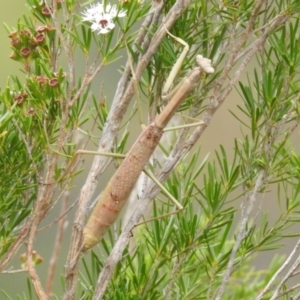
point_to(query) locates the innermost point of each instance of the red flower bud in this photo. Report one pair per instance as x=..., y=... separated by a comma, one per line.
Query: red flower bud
x=15, y=42
x=25, y=51
x=40, y=38
x=42, y=79
x=43, y=28
x=53, y=82
x=13, y=34
x=31, y=112
x=47, y=11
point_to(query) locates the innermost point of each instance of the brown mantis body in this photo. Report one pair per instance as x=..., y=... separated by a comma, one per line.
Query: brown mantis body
x=115, y=195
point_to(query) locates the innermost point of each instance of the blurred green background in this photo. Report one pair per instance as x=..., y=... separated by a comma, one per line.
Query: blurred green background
x=10, y=12
x=217, y=133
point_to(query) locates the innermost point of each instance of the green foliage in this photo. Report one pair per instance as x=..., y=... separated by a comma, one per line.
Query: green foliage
x=18, y=186
x=215, y=241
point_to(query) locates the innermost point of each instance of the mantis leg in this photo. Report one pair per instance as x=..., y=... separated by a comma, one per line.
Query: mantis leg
x=167, y=193
x=150, y=175
x=175, y=68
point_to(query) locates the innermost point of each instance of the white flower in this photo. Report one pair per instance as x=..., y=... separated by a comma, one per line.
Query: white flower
x=102, y=17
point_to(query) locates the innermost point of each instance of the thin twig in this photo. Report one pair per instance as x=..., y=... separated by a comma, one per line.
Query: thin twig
x=236, y=49
x=287, y=275
x=34, y=276
x=13, y=271
x=176, y=268
x=288, y=291
x=249, y=202
x=57, y=244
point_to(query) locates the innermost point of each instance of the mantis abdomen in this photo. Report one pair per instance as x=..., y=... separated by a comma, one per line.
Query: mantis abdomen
x=115, y=195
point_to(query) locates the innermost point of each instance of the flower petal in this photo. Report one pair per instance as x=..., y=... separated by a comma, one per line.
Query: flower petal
x=102, y=17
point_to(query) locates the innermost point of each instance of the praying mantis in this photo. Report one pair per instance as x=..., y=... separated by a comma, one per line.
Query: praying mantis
x=117, y=191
